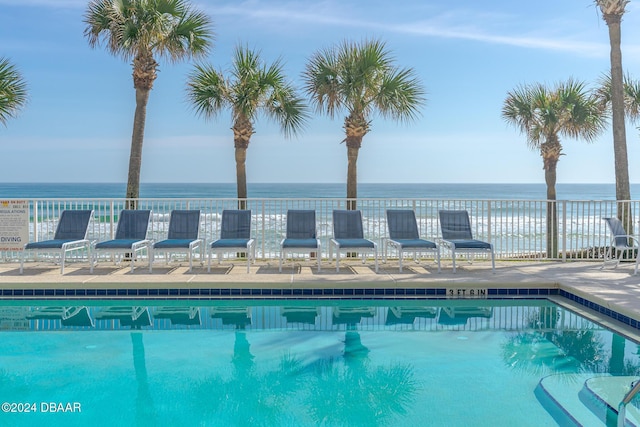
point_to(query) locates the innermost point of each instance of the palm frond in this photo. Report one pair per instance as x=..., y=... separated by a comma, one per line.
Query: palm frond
x=361, y=79
x=253, y=88
x=13, y=91
x=167, y=28
x=400, y=96
x=322, y=81
x=542, y=114
x=207, y=91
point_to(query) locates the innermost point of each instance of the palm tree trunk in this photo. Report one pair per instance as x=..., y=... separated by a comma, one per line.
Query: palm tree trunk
x=551, y=151
x=352, y=175
x=623, y=192
x=137, y=138
x=241, y=176
x=552, y=216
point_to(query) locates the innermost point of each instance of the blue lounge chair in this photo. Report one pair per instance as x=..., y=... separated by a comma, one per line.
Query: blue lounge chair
x=457, y=236
x=131, y=237
x=235, y=236
x=187, y=316
x=301, y=235
x=134, y=317
x=452, y=316
x=348, y=236
x=240, y=317
x=300, y=314
x=620, y=242
x=70, y=235
x=407, y=315
x=404, y=236
x=182, y=236
x=68, y=316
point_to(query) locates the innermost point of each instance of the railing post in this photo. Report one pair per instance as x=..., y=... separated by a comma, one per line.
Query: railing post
x=111, y=215
x=489, y=220
x=263, y=231
x=35, y=220
x=564, y=231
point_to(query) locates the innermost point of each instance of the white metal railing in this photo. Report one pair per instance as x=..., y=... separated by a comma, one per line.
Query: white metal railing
x=517, y=228
x=531, y=318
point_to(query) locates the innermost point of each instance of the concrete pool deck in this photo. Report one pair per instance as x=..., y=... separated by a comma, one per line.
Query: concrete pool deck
x=616, y=289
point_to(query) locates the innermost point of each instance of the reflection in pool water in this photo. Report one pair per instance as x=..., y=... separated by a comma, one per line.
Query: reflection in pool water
x=302, y=363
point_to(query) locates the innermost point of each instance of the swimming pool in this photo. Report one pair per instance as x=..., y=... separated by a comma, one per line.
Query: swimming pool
x=307, y=363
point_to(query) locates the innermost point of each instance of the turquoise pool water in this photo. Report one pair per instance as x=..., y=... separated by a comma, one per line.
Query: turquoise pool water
x=299, y=363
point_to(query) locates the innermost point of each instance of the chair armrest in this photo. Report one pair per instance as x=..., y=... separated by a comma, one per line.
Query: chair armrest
x=196, y=243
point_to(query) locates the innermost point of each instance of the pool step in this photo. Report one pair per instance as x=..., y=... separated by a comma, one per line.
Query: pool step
x=603, y=395
x=585, y=399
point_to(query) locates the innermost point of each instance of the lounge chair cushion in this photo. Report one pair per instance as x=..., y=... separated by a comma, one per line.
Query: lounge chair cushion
x=300, y=243
x=49, y=244
x=117, y=244
x=347, y=225
x=173, y=243
x=133, y=224
x=230, y=243
x=469, y=244
x=73, y=225
x=415, y=243
x=354, y=243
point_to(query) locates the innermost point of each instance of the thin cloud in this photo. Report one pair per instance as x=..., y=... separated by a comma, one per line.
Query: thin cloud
x=442, y=26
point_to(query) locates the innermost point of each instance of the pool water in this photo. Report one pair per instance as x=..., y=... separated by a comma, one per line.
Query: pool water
x=331, y=363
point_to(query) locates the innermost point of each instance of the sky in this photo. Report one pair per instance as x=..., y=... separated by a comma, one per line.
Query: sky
x=467, y=54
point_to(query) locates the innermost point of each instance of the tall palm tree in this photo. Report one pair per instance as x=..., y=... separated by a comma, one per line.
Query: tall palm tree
x=13, y=91
x=612, y=11
x=361, y=79
x=252, y=88
x=544, y=114
x=631, y=104
x=141, y=31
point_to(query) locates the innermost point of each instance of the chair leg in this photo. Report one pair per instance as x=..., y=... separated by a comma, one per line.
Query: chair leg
x=453, y=259
x=62, y=258
x=493, y=261
x=400, y=259
x=248, y=260
x=385, y=253
x=375, y=254
x=280, y=262
x=438, y=258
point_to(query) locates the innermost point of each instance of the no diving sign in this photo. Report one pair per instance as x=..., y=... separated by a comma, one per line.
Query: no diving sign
x=14, y=224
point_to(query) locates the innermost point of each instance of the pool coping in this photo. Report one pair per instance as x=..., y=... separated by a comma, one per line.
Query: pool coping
x=612, y=294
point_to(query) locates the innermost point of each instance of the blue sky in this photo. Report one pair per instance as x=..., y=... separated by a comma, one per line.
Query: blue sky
x=468, y=54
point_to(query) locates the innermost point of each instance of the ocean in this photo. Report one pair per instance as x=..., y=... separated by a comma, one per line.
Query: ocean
x=303, y=191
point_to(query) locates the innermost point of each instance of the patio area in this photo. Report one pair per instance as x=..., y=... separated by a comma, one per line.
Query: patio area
x=610, y=289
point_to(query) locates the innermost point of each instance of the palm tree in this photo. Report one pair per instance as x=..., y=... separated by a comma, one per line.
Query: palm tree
x=631, y=103
x=141, y=31
x=612, y=11
x=252, y=88
x=631, y=91
x=13, y=91
x=544, y=114
x=361, y=79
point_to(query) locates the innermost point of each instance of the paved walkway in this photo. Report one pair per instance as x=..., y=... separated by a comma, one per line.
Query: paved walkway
x=617, y=289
